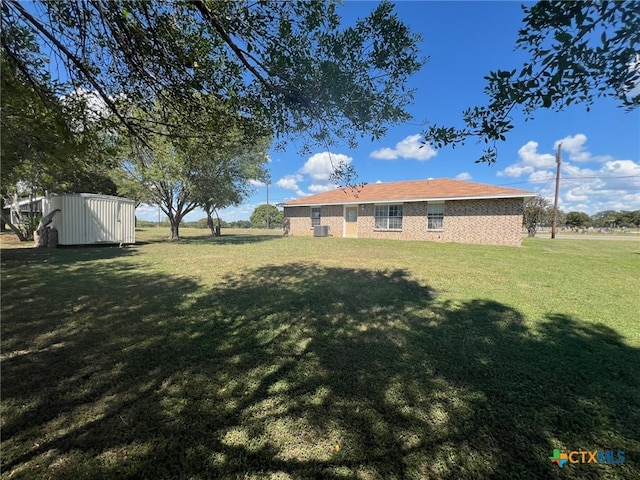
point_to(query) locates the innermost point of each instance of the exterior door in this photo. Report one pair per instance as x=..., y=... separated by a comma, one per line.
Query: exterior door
x=351, y=222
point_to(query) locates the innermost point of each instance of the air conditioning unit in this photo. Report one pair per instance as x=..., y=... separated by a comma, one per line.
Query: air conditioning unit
x=321, y=230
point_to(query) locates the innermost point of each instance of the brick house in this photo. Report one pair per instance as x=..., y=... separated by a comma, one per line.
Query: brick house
x=439, y=210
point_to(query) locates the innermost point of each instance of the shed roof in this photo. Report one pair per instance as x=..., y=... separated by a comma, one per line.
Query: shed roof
x=410, y=191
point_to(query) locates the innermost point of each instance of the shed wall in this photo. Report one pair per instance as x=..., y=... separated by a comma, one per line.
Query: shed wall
x=86, y=219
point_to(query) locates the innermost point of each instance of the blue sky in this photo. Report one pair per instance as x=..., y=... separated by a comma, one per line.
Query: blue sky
x=463, y=42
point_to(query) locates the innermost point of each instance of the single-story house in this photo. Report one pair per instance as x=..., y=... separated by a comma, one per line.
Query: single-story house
x=440, y=210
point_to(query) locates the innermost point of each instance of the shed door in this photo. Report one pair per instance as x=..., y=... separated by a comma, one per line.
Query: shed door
x=351, y=222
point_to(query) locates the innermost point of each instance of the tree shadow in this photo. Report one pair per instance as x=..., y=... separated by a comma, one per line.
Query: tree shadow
x=304, y=371
x=65, y=255
x=224, y=239
x=232, y=239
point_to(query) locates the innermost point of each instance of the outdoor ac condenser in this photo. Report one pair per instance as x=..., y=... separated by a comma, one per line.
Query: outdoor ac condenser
x=321, y=230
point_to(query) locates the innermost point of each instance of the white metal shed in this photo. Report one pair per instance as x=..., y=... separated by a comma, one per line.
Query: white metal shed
x=87, y=218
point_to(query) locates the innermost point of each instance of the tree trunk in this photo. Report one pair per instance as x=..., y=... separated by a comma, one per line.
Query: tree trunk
x=175, y=228
x=218, y=228
x=13, y=228
x=210, y=224
x=30, y=225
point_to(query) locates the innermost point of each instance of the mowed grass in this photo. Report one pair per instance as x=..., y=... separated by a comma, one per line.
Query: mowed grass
x=256, y=356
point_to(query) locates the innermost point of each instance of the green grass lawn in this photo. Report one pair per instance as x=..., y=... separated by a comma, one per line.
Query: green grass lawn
x=256, y=356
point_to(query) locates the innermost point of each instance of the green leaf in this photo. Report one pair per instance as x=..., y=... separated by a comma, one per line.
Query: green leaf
x=563, y=37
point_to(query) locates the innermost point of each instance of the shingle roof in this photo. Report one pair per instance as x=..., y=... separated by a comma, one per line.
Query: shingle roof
x=414, y=190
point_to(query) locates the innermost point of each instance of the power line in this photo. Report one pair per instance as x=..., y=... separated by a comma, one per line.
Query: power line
x=590, y=177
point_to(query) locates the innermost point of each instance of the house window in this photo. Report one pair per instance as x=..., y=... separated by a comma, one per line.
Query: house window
x=315, y=216
x=388, y=217
x=435, y=216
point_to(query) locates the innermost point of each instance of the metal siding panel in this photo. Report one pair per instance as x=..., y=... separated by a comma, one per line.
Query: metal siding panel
x=128, y=222
x=92, y=230
x=65, y=234
x=95, y=212
x=88, y=219
x=74, y=220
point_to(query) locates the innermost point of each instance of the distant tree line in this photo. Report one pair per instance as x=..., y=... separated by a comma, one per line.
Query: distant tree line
x=264, y=216
x=605, y=219
x=202, y=223
x=538, y=213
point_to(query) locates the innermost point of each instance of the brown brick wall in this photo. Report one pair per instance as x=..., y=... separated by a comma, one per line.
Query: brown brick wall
x=491, y=222
x=298, y=220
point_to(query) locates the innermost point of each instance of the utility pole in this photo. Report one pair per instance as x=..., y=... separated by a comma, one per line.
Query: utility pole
x=555, y=201
x=268, y=222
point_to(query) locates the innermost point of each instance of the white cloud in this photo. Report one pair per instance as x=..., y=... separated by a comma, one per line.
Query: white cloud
x=516, y=171
x=257, y=183
x=530, y=160
x=529, y=155
x=575, y=196
x=195, y=215
x=95, y=105
x=409, y=148
x=574, y=146
x=321, y=188
x=623, y=168
x=541, y=176
x=318, y=169
x=464, y=176
x=241, y=212
x=321, y=165
x=148, y=212
x=588, y=183
x=593, y=195
x=574, y=170
x=290, y=182
x=384, y=154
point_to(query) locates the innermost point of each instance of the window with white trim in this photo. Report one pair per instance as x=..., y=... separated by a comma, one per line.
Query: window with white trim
x=435, y=216
x=315, y=216
x=388, y=217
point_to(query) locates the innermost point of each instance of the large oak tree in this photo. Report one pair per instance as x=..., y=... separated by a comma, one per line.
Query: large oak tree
x=286, y=69
x=181, y=169
x=288, y=65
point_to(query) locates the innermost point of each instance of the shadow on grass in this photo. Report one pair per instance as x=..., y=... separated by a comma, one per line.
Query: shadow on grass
x=11, y=257
x=302, y=371
x=232, y=239
x=225, y=239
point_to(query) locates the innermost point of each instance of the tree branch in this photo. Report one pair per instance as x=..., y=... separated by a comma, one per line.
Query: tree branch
x=240, y=53
x=78, y=64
